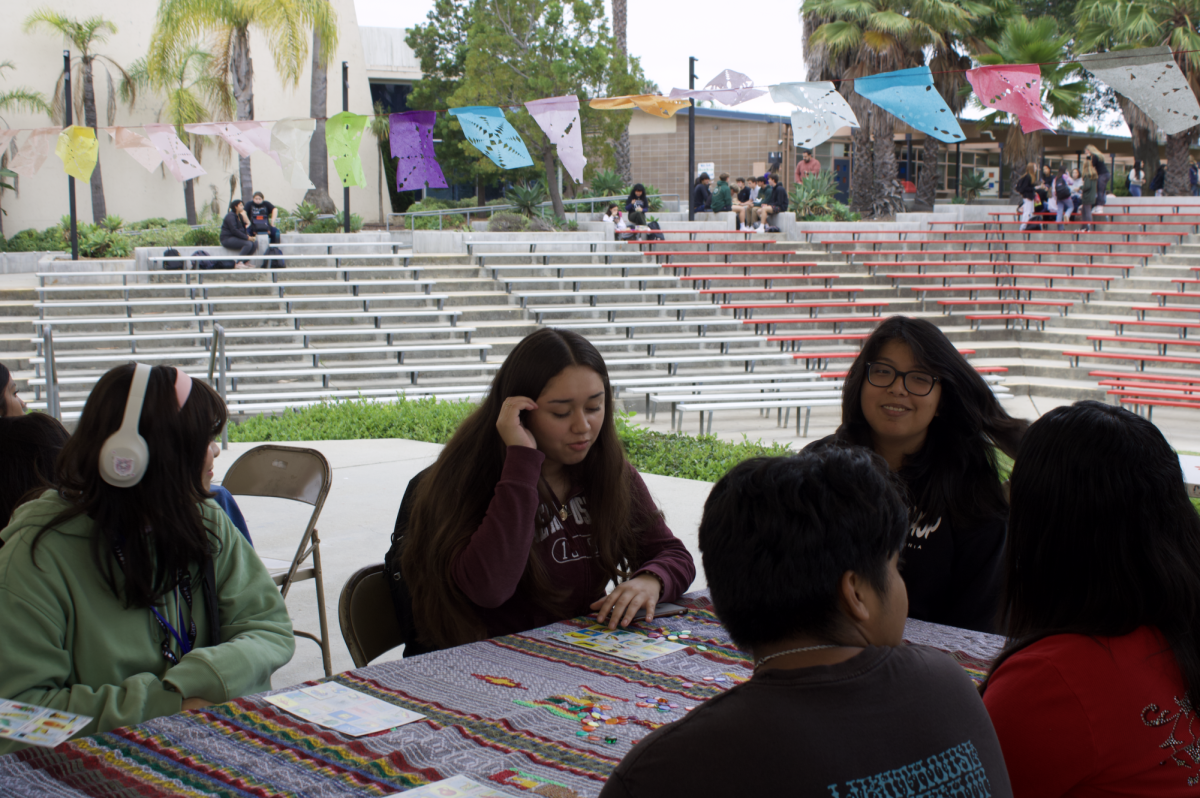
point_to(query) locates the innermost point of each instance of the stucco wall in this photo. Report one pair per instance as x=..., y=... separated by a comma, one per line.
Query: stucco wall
x=130, y=191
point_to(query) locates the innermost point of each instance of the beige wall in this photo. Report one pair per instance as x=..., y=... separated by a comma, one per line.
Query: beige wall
x=130, y=191
x=659, y=148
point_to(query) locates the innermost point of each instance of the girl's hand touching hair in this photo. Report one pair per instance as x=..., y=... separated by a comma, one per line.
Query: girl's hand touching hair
x=623, y=603
x=509, y=425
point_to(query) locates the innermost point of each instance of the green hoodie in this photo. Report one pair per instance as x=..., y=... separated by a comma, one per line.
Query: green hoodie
x=722, y=198
x=70, y=644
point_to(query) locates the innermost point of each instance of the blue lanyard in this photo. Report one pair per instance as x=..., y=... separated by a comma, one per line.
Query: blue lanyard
x=185, y=643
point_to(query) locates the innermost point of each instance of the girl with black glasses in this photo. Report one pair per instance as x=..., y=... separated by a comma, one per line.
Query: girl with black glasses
x=912, y=398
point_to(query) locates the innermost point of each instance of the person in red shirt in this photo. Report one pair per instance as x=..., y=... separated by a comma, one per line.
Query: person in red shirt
x=1095, y=693
x=531, y=510
x=807, y=165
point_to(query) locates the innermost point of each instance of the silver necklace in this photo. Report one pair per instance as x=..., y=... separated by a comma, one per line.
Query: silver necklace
x=758, y=662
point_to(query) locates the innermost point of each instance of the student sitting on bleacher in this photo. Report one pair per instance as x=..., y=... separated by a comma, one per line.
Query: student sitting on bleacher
x=110, y=587
x=801, y=557
x=775, y=201
x=1096, y=692
x=10, y=403
x=234, y=235
x=30, y=444
x=531, y=510
x=916, y=401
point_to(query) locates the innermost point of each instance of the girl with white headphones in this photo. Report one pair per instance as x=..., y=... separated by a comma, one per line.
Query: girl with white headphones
x=125, y=595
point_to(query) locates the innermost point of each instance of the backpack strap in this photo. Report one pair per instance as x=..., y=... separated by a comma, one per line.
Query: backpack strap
x=210, y=603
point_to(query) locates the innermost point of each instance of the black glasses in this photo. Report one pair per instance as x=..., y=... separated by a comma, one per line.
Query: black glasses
x=918, y=383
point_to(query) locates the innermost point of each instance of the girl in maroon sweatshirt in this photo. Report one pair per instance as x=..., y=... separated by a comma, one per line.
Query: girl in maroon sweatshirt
x=531, y=511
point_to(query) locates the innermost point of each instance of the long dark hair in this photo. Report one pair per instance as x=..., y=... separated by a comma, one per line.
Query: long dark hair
x=157, y=522
x=1102, y=538
x=29, y=445
x=453, y=497
x=633, y=194
x=955, y=473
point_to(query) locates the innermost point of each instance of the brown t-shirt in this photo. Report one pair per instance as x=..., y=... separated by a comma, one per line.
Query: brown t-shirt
x=900, y=721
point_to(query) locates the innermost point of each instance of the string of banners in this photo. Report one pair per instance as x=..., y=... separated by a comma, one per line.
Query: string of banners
x=1148, y=77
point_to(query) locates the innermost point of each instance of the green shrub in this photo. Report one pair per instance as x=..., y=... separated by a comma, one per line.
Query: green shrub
x=112, y=223
x=507, y=223
x=153, y=223
x=202, y=237
x=334, y=225
x=51, y=239
x=540, y=224
x=607, y=183
x=98, y=242
x=528, y=197
x=675, y=455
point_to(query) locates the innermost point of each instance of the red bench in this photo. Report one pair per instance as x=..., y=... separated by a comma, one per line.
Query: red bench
x=787, y=292
x=1063, y=306
x=746, y=267
x=1108, y=225
x=1162, y=296
x=972, y=290
x=1150, y=404
x=783, y=254
x=1182, y=281
x=841, y=375
x=997, y=276
x=707, y=242
x=1141, y=358
x=1164, y=378
x=823, y=357
x=768, y=280
x=1190, y=389
x=813, y=307
x=1182, y=326
x=978, y=319
x=770, y=324
x=872, y=266
x=1161, y=343
x=1142, y=310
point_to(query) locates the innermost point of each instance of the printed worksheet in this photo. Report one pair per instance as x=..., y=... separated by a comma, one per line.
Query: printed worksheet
x=457, y=787
x=34, y=725
x=342, y=709
x=620, y=643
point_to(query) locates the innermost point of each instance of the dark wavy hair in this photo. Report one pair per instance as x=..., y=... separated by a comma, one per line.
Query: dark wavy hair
x=633, y=194
x=29, y=446
x=955, y=473
x=157, y=522
x=5, y=379
x=452, y=498
x=1102, y=537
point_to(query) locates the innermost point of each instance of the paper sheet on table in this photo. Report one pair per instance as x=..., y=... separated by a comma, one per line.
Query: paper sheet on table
x=34, y=725
x=339, y=708
x=493, y=135
x=78, y=149
x=456, y=787
x=411, y=137
x=820, y=111
x=34, y=151
x=1014, y=89
x=1150, y=78
x=177, y=158
x=136, y=147
x=655, y=104
x=558, y=117
x=909, y=95
x=620, y=643
x=343, y=135
x=727, y=88
x=289, y=140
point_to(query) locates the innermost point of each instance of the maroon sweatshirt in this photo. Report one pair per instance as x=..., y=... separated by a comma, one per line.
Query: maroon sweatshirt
x=490, y=567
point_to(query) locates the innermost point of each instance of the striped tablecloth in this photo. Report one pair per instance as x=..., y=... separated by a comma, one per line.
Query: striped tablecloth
x=503, y=711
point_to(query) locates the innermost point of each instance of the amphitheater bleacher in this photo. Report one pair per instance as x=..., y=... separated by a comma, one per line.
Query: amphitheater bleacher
x=375, y=320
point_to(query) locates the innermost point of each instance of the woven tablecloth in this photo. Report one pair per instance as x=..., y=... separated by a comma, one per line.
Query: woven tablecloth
x=503, y=711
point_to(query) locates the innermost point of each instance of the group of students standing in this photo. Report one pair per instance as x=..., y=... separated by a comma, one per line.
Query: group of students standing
x=1066, y=192
x=1087, y=559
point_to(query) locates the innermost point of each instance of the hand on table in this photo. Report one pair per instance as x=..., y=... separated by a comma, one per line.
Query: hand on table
x=196, y=703
x=629, y=597
x=509, y=425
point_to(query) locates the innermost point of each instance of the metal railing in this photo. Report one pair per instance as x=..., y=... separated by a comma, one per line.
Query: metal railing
x=217, y=363
x=53, y=406
x=491, y=209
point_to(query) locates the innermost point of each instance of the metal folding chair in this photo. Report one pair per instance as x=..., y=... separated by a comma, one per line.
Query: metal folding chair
x=365, y=613
x=302, y=475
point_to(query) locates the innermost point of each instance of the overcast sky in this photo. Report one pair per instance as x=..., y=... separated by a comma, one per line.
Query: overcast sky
x=759, y=38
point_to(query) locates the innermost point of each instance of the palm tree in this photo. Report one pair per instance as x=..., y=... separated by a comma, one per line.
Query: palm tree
x=12, y=100
x=318, y=153
x=380, y=127
x=1025, y=41
x=85, y=35
x=284, y=23
x=192, y=94
x=1120, y=25
x=622, y=150
x=876, y=36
